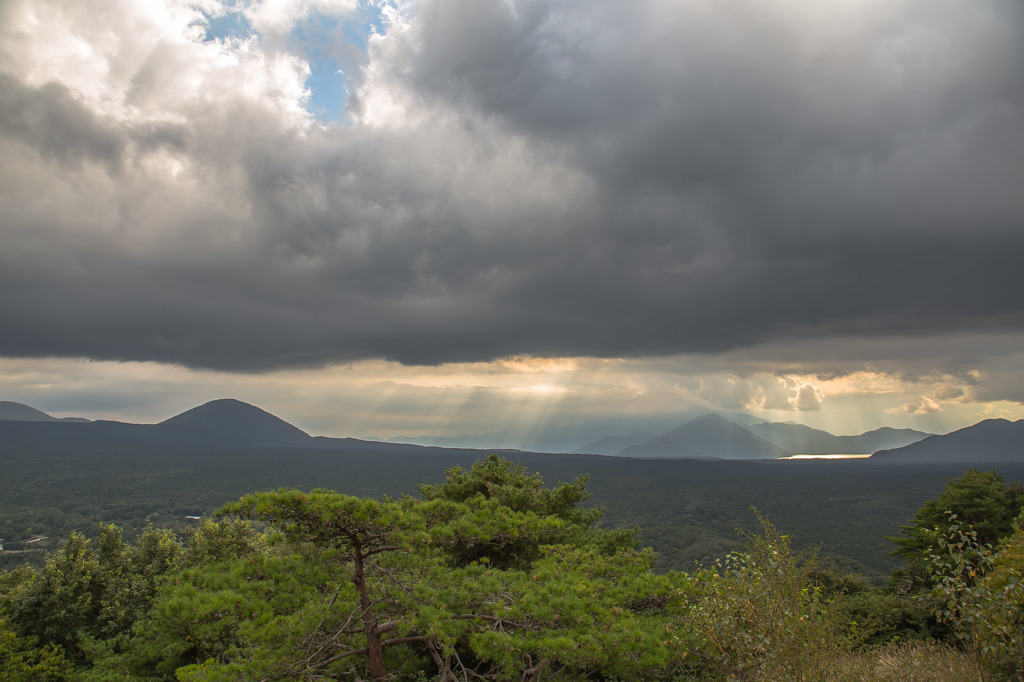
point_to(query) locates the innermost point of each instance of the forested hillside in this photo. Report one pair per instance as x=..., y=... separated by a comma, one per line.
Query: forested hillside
x=490, y=575
x=688, y=511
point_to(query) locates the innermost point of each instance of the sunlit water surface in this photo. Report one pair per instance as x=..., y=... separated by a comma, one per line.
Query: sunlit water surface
x=826, y=457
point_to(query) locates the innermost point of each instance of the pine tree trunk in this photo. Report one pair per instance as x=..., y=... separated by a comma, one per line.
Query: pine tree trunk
x=374, y=644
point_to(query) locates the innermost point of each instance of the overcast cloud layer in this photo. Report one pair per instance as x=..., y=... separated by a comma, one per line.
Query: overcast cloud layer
x=573, y=178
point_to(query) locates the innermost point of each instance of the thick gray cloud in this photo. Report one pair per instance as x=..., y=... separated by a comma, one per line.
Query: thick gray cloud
x=575, y=178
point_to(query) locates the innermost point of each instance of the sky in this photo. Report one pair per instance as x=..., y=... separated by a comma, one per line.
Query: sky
x=382, y=218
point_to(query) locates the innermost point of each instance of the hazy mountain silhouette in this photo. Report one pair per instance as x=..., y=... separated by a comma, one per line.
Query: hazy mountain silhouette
x=22, y=413
x=18, y=412
x=887, y=438
x=803, y=440
x=232, y=421
x=612, y=445
x=221, y=433
x=493, y=439
x=709, y=435
x=992, y=440
x=577, y=437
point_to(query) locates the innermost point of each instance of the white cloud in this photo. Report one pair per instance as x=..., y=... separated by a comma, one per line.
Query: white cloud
x=808, y=399
x=275, y=19
x=760, y=391
x=949, y=392
x=923, y=405
x=139, y=61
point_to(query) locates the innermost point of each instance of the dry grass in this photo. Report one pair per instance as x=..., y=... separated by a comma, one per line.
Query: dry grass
x=911, y=662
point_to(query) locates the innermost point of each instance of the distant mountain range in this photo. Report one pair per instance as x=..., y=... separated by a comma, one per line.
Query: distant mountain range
x=803, y=440
x=23, y=413
x=713, y=435
x=613, y=445
x=231, y=423
x=215, y=427
x=616, y=437
x=992, y=440
x=579, y=437
x=709, y=435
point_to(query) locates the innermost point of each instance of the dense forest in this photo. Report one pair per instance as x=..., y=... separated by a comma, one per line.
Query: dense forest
x=688, y=511
x=488, y=574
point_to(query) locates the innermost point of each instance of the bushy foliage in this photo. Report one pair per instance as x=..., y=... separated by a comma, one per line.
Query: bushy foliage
x=489, y=576
x=874, y=616
x=759, y=615
x=980, y=594
x=980, y=500
x=23, y=660
x=91, y=589
x=512, y=488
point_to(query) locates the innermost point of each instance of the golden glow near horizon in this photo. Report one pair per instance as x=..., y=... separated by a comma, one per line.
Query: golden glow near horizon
x=377, y=398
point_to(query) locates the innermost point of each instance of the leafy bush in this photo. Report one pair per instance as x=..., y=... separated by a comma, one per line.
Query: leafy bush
x=981, y=500
x=90, y=589
x=759, y=615
x=980, y=595
x=22, y=660
x=875, y=616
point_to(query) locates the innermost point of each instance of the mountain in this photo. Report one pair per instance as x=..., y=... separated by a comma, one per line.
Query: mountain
x=220, y=431
x=232, y=421
x=992, y=440
x=803, y=440
x=709, y=435
x=17, y=412
x=611, y=445
x=577, y=437
x=886, y=438
x=494, y=439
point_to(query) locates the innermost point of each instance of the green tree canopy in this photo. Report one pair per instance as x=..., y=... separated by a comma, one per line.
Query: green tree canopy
x=91, y=589
x=490, y=576
x=981, y=501
x=512, y=486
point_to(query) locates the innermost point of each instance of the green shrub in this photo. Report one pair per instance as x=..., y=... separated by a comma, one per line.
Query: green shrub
x=980, y=595
x=759, y=615
x=22, y=660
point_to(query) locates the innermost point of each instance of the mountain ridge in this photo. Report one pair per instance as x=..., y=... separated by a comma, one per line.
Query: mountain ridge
x=990, y=440
x=708, y=435
x=230, y=420
x=799, y=439
x=612, y=445
x=20, y=412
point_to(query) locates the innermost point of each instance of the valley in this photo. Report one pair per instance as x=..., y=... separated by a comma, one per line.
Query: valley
x=66, y=476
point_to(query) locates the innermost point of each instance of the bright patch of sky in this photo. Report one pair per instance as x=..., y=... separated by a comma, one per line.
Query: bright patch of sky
x=231, y=24
x=332, y=38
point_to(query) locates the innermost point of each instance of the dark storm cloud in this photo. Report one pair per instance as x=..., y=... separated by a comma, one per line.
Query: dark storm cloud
x=595, y=178
x=51, y=120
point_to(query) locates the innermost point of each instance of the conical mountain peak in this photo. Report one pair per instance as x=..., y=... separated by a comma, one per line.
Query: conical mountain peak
x=709, y=435
x=232, y=420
